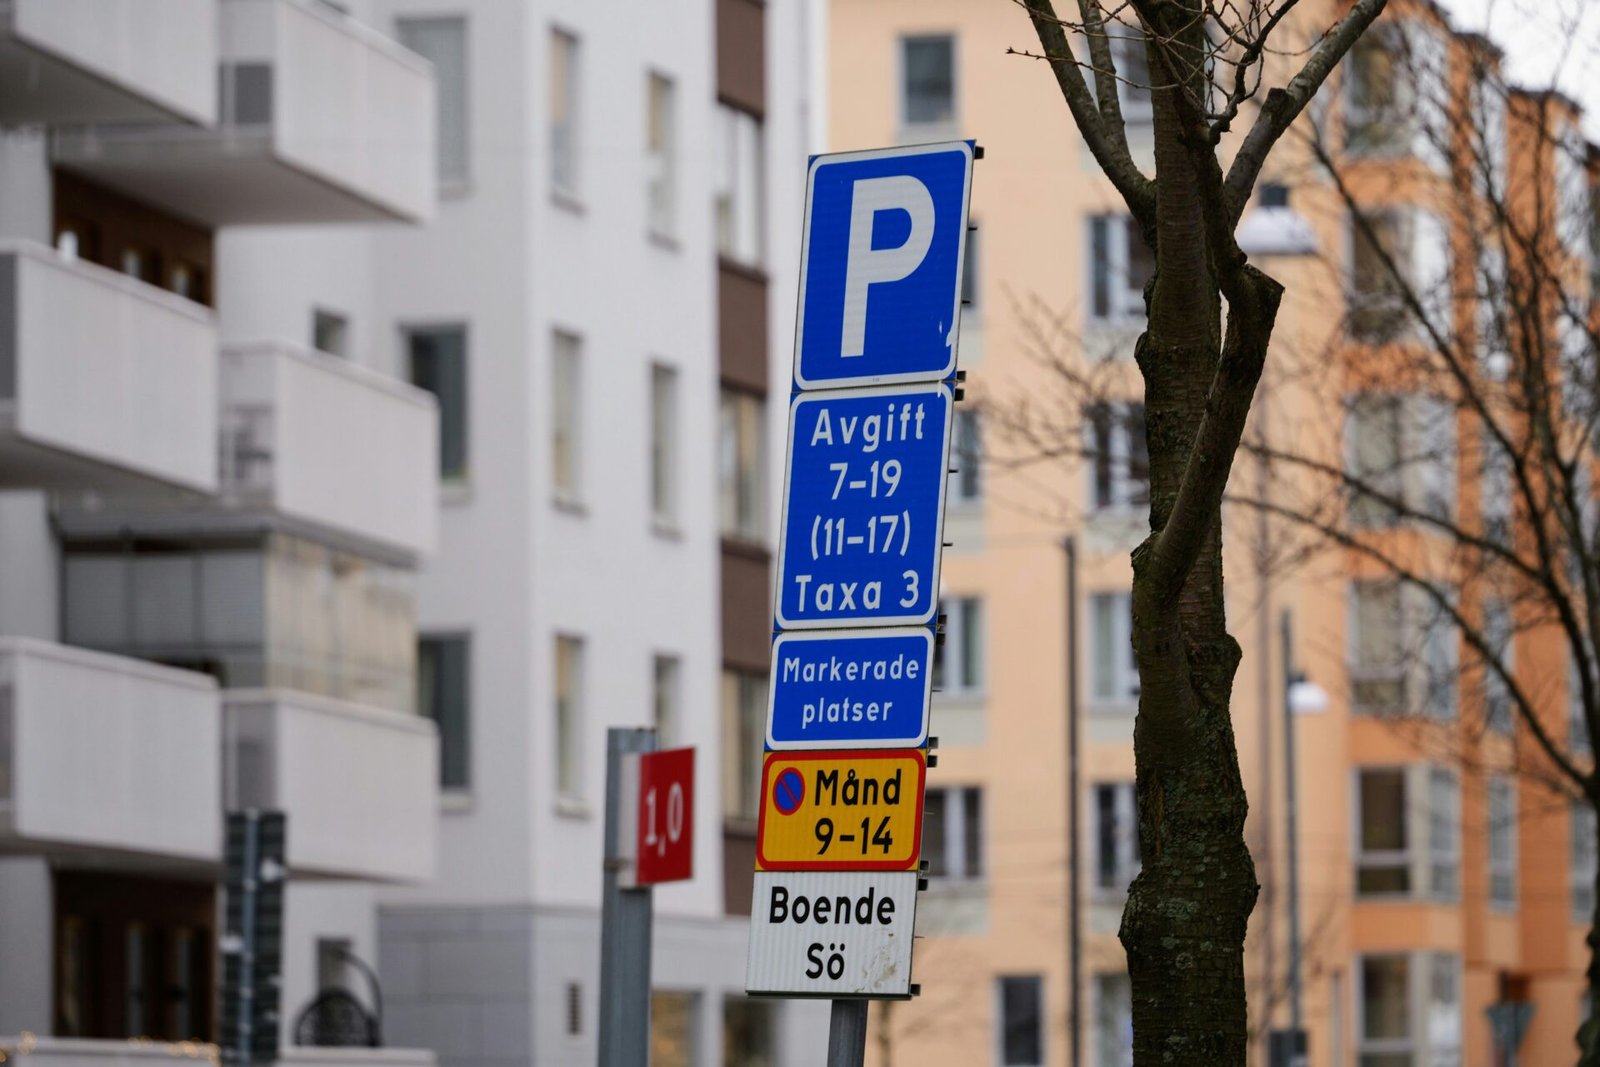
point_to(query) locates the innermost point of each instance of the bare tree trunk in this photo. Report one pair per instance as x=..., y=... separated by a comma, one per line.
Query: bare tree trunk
x=1187, y=912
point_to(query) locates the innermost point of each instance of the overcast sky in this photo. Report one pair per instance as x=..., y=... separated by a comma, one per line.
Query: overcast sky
x=1543, y=39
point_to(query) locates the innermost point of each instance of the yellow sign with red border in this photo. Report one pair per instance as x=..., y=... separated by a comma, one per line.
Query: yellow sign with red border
x=850, y=810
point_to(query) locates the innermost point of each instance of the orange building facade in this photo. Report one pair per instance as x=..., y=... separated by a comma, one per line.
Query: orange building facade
x=1436, y=877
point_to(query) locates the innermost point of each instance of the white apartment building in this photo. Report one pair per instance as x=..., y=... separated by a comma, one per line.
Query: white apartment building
x=384, y=413
x=603, y=302
x=208, y=582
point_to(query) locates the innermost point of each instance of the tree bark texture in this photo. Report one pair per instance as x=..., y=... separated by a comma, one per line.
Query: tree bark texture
x=1187, y=912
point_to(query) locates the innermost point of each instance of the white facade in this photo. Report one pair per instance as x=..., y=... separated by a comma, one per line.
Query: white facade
x=558, y=237
x=184, y=483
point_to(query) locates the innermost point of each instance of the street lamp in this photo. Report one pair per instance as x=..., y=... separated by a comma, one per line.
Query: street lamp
x=1300, y=697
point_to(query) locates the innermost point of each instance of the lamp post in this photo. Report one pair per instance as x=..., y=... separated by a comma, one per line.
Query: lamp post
x=1300, y=697
x=1274, y=230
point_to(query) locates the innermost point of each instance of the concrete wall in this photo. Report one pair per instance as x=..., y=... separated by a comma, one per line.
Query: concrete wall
x=27, y=936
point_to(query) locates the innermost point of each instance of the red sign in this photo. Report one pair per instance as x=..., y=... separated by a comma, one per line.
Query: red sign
x=665, y=837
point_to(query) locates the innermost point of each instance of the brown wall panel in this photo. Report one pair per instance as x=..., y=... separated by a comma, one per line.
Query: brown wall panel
x=746, y=607
x=742, y=327
x=742, y=54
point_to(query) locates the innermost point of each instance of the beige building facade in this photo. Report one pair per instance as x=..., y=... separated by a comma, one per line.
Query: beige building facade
x=1429, y=889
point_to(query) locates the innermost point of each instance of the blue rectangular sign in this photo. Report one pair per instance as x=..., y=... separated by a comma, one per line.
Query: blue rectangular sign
x=850, y=689
x=880, y=269
x=863, y=507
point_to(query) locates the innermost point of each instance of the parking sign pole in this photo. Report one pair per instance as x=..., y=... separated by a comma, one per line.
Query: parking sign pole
x=847, y=1033
x=624, y=925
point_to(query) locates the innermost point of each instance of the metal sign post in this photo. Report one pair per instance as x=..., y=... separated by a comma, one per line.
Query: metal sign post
x=625, y=916
x=839, y=841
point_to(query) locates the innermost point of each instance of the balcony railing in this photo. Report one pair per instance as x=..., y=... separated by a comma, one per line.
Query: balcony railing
x=288, y=443
x=71, y=61
x=103, y=378
x=31, y=1050
x=359, y=784
x=322, y=119
x=105, y=754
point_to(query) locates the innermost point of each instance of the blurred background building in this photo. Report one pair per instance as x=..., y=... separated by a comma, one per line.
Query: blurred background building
x=1432, y=886
x=393, y=397
x=385, y=415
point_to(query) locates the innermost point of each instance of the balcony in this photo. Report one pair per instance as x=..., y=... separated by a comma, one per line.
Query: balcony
x=321, y=120
x=287, y=445
x=43, y=1051
x=359, y=784
x=102, y=754
x=105, y=382
x=75, y=61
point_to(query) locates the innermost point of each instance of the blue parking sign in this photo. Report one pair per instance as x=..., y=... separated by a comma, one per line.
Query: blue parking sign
x=880, y=268
x=850, y=688
x=863, y=507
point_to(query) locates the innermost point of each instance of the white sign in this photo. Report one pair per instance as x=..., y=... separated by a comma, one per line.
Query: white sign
x=838, y=934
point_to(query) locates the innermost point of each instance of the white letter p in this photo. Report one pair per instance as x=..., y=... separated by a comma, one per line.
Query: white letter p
x=865, y=265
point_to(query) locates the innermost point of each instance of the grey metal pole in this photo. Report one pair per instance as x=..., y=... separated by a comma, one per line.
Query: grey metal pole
x=624, y=927
x=1074, y=872
x=1291, y=817
x=847, y=1033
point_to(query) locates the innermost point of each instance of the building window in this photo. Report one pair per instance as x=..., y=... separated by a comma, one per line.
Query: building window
x=1582, y=868
x=444, y=695
x=738, y=198
x=664, y=445
x=1384, y=1030
x=330, y=332
x=1383, y=859
x=1113, y=1021
x=1119, y=458
x=968, y=482
x=1414, y=245
x=1131, y=57
x=564, y=113
x=566, y=418
x=958, y=662
x=438, y=358
x=744, y=739
x=1021, y=1021
x=1496, y=693
x=928, y=86
x=1577, y=719
x=661, y=155
x=952, y=833
x=674, y=1035
x=1409, y=1009
x=569, y=719
x=1377, y=672
x=1495, y=491
x=666, y=701
x=1375, y=93
x=1116, y=837
x=1398, y=807
x=443, y=42
x=1120, y=263
x=748, y=1033
x=1502, y=843
x=1113, y=672
x=1401, y=454
x=1388, y=676
x=1444, y=834
x=742, y=459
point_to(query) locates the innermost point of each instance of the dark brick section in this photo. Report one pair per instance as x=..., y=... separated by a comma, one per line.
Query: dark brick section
x=742, y=327
x=742, y=54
